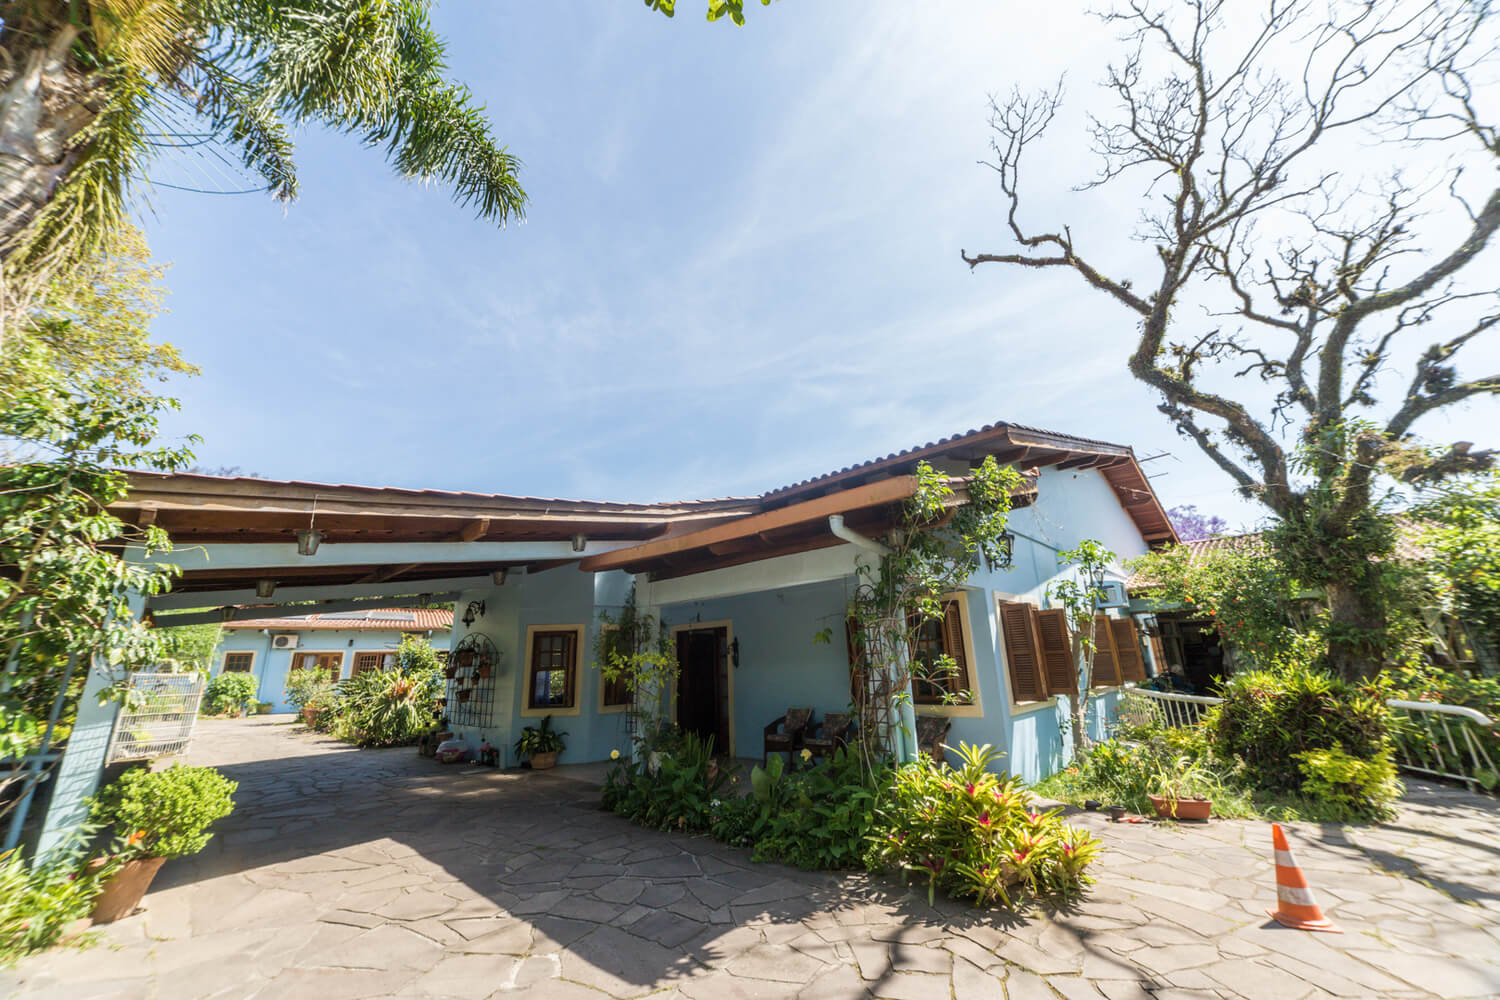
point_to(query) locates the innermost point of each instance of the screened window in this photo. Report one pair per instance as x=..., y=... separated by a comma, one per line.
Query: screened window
x=373, y=660
x=238, y=663
x=554, y=665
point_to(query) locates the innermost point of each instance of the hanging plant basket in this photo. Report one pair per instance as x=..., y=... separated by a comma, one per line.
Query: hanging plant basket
x=483, y=671
x=464, y=695
x=450, y=673
x=465, y=657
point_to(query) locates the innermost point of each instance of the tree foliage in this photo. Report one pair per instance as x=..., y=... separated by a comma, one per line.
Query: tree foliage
x=95, y=89
x=1278, y=290
x=1080, y=598
x=1192, y=526
x=1458, y=523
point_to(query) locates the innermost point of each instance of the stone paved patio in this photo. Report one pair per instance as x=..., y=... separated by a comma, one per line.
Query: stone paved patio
x=348, y=874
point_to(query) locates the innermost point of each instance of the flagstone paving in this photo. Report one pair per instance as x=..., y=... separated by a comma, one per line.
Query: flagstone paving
x=351, y=874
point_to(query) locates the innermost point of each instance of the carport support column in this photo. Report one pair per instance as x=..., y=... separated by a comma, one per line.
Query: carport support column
x=646, y=606
x=82, y=764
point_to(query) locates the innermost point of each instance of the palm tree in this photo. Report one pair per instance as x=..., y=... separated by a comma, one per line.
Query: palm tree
x=90, y=90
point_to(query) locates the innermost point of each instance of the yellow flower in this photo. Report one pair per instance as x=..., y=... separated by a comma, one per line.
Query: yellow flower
x=614, y=755
x=806, y=754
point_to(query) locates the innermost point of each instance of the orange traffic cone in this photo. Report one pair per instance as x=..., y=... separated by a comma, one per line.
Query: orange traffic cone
x=1295, y=905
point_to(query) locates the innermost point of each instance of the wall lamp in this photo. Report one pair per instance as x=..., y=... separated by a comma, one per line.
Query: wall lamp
x=497, y=576
x=1006, y=544
x=474, y=611
x=734, y=652
x=307, y=541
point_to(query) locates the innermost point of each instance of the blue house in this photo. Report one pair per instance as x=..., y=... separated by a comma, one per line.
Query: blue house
x=343, y=643
x=744, y=585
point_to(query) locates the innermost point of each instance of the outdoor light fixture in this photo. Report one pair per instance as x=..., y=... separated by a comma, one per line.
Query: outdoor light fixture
x=734, y=652
x=473, y=611
x=497, y=576
x=227, y=614
x=265, y=588
x=579, y=541
x=1007, y=545
x=307, y=541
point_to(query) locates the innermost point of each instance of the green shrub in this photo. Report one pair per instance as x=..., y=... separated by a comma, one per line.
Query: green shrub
x=1269, y=717
x=307, y=687
x=818, y=818
x=1358, y=789
x=228, y=693
x=974, y=834
x=39, y=902
x=674, y=786
x=381, y=708
x=164, y=814
x=1452, y=687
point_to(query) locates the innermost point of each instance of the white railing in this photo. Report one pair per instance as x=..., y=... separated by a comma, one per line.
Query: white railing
x=157, y=716
x=1428, y=745
x=1438, y=740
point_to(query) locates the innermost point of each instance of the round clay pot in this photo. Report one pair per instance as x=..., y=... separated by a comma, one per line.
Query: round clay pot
x=543, y=761
x=125, y=888
x=309, y=716
x=1200, y=809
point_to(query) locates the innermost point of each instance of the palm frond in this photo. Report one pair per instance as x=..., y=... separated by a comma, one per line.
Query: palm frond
x=233, y=111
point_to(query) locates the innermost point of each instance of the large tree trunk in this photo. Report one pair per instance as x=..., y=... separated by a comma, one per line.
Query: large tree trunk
x=46, y=102
x=1356, y=617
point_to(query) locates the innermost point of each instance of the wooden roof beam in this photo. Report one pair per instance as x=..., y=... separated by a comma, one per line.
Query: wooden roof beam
x=474, y=530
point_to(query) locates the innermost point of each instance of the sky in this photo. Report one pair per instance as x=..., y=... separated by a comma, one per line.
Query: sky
x=739, y=268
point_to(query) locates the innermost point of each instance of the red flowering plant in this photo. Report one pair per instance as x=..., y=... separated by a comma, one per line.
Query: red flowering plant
x=977, y=834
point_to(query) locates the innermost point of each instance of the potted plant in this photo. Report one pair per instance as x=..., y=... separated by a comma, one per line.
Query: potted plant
x=155, y=815
x=483, y=670
x=541, y=744
x=1182, y=791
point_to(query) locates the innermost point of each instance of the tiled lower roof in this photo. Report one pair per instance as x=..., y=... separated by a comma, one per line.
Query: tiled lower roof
x=373, y=620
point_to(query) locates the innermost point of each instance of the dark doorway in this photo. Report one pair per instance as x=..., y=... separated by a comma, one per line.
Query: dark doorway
x=703, y=684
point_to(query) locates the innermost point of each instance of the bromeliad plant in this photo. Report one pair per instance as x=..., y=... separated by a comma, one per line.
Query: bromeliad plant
x=976, y=834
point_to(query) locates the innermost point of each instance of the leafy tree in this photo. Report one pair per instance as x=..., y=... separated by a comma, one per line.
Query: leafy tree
x=1192, y=526
x=88, y=85
x=1276, y=287
x=1459, y=524
x=1081, y=598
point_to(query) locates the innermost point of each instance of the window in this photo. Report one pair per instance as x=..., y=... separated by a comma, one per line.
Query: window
x=333, y=663
x=614, y=696
x=238, y=663
x=373, y=660
x=931, y=684
x=554, y=666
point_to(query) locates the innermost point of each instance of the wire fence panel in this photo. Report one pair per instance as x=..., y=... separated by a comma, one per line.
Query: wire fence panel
x=157, y=716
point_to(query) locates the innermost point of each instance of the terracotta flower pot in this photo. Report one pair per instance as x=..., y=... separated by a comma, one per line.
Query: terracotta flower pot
x=484, y=670
x=125, y=888
x=543, y=761
x=1184, y=808
x=309, y=716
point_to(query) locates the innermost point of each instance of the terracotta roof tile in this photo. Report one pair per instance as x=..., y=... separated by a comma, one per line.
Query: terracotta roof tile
x=375, y=619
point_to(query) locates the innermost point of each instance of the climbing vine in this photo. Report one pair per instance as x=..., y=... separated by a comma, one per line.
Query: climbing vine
x=945, y=529
x=637, y=650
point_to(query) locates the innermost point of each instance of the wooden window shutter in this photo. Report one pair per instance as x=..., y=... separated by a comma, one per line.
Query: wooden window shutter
x=1056, y=640
x=1127, y=650
x=1026, y=683
x=1106, y=665
x=953, y=645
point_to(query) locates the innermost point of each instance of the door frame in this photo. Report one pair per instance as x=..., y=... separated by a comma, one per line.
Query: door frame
x=728, y=625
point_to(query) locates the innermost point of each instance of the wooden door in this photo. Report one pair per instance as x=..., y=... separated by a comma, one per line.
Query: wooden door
x=703, y=684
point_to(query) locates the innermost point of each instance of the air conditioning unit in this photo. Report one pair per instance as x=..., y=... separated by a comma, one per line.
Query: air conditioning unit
x=1114, y=595
x=284, y=641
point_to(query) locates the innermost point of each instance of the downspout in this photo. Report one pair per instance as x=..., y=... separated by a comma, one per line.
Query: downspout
x=905, y=737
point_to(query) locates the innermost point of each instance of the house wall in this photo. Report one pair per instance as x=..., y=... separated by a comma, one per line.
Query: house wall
x=271, y=666
x=781, y=663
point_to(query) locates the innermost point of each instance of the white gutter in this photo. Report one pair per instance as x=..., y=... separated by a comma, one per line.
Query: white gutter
x=836, y=525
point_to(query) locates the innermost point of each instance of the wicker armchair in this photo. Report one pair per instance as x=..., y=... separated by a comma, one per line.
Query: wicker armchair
x=785, y=735
x=823, y=738
x=932, y=733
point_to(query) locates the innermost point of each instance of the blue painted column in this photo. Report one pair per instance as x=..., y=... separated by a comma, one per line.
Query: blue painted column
x=82, y=765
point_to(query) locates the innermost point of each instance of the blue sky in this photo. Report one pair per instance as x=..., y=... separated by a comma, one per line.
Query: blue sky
x=740, y=267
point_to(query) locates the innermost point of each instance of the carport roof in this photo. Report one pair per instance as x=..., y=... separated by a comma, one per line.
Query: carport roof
x=669, y=537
